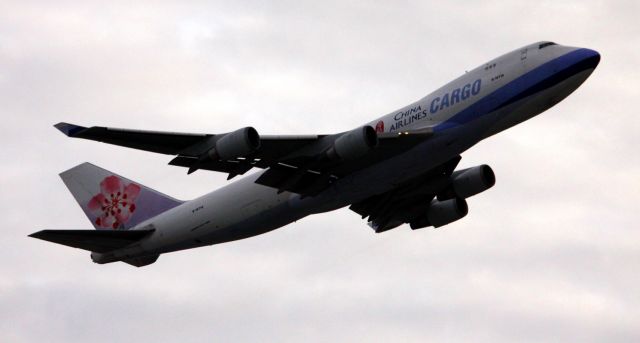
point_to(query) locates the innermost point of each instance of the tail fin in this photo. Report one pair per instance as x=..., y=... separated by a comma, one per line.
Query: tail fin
x=112, y=201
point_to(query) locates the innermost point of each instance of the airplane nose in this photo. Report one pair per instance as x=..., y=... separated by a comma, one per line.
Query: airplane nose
x=591, y=58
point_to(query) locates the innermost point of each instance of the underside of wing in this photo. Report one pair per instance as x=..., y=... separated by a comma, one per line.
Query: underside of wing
x=406, y=202
x=100, y=241
x=186, y=144
x=315, y=167
x=304, y=164
x=234, y=153
x=170, y=143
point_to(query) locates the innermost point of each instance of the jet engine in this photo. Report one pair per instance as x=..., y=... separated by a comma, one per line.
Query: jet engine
x=235, y=144
x=354, y=144
x=441, y=213
x=471, y=181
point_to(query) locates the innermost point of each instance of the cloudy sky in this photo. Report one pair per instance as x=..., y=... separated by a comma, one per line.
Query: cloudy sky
x=551, y=253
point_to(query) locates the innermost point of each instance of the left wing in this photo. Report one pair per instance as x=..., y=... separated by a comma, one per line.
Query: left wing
x=406, y=202
x=182, y=144
x=304, y=164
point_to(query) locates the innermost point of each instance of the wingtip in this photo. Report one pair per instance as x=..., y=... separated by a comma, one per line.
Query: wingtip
x=37, y=234
x=70, y=130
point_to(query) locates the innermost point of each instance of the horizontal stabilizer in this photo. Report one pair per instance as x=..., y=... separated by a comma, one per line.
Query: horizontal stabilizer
x=100, y=241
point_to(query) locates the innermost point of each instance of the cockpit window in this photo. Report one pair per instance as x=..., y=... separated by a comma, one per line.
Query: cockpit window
x=544, y=45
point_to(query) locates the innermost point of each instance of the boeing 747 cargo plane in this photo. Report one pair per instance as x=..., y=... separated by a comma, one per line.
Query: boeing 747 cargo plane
x=400, y=168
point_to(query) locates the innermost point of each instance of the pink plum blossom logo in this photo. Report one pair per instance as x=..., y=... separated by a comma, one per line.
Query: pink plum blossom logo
x=115, y=203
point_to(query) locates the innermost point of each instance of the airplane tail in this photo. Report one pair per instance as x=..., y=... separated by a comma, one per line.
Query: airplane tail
x=111, y=201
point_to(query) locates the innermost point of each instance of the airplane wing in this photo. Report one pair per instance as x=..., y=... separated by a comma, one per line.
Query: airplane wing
x=406, y=202
x=100, y=241
x=304, y=164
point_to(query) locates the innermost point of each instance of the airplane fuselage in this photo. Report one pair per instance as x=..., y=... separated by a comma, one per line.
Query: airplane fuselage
x=482, y=102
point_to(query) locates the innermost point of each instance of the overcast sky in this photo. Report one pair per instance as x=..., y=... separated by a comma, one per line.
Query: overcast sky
x=551, y=253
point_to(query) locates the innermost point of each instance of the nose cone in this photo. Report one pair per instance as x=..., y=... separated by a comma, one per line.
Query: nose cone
x=591, y=58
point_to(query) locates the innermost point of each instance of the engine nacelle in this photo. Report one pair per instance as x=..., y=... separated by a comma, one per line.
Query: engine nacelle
x=354, y=144
x=442, y=213
x=471, y=181
x=235, y=144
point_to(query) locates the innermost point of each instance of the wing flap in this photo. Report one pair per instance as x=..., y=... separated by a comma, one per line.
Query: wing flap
x=292, y=179
x=100, y=241
x=142, y=261
x=231, y=167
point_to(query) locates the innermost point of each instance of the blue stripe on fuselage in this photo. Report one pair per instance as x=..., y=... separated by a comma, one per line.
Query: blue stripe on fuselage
x=542, y=77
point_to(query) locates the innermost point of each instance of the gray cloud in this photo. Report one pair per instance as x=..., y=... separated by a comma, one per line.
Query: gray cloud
x=550, y=254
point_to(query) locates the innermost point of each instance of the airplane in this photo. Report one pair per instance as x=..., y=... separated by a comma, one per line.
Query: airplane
x=398, y=169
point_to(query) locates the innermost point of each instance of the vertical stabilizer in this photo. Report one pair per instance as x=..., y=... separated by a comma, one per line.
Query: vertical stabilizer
x=111, y=201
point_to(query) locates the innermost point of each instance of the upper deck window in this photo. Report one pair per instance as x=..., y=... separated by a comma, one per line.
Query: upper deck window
x=544, y=45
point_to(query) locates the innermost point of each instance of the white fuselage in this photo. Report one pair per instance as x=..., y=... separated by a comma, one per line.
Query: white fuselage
x=484, y=101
